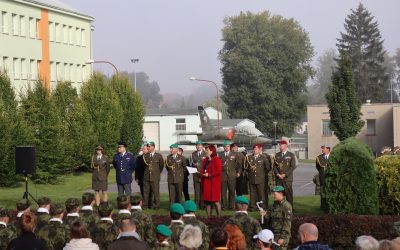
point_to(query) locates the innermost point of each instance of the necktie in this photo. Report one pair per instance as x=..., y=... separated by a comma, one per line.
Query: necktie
x=151, y=155
x=174, y=157
x=198, y=154
x=226, y=154
x=326, y=157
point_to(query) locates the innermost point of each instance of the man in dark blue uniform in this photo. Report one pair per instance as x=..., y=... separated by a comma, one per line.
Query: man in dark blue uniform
x=124, y=164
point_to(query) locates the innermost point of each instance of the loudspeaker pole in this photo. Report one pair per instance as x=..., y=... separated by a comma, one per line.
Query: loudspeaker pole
x=26, y=193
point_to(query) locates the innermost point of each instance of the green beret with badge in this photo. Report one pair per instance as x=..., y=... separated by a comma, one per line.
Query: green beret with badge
x=177, y=209
x=242, y=200
x=190, y=206
x=278, y=189
x=163, y=230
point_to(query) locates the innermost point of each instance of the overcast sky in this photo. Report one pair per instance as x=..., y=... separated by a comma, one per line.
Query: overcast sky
x=176, y=39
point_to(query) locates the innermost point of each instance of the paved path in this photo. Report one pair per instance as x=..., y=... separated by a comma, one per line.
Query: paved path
x=302, y=184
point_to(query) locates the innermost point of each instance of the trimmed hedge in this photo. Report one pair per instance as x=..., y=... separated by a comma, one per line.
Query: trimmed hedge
x=388, y=181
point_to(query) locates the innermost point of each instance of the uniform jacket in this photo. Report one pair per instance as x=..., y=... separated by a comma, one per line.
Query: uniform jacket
x=144, y=226
x=176, y=229
x=124, y=166
x=153, y=167
x=6, y=235
x=197, y=161
x=320, y=165
x=139, y=170
x=104, y=233
x=176, y=168
x=55, y=235
x=212, y=183
x=101, y=168
x=42, y=219
x=89, y=217
x=258, y=168
x=248, y=225
x=285, y=164
x=241, y=160
x=230, y=165
x=128, y=242
x=279, y=219
x=205, y=233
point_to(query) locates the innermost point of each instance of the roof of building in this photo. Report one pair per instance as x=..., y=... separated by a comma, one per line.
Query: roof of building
x=171, y=111
x=58, y=5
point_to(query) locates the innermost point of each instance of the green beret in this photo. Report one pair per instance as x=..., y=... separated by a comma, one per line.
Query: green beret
x=72, y=203
x=136, y=198
x=278, y=189
x=226, y=143
x=56, y=209
x=105, y=208
x=123, y=200
x=4, y=212
x=163, y=230
x=174, y=146
x=44, y=201
x=151, y=143
x=189, y=206
x=23, y=204
x=242, y=200
x=87, y=198
x=177, y=209
x=199, y=142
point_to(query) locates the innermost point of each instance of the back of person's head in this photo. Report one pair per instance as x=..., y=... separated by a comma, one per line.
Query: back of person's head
x=123, y=201
x=136, y=198
x=213, y=149
x=191, y=237
x=87, y=199
x=127, y=225
x=105, y=209
x=79, y=231
x=366, y=242
x=308, y=232
x=236, y=239
x=219, y=238
x=241, y=207
x=385, y=245
x=396, y=243
x=27, y=222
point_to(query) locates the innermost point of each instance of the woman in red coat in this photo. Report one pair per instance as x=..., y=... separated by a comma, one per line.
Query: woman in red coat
x=211, y=180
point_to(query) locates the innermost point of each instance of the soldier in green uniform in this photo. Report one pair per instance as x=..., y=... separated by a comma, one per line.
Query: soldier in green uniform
x=7, y=232
x=72, y=206
x=124, y=207
x=175, y=165
x=144, y=223
x=278, y=218
x=189, y=218
x=55, y=234
x=197, y=162
x=43, y=212
x=258, y=165
x=176, y=212
x=284, y=165
x=154, y=165
x=86, y=212
x=247, y=224
x=230, y=171
x=321, y=162
x=241, y=181
x=106, y=231
x=23, y=206
x=163, y=233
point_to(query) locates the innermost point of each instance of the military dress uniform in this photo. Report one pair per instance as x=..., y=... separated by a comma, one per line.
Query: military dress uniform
x=175, y=165
x=258, y=167
x=154, y=165
x=241, y=181
x=320, y=164
x=101, y=168
x=285, y=164
x=124, y=165
x=230, y=169
x=197, y=162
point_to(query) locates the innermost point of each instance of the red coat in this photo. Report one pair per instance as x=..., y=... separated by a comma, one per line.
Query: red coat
x=212, y=183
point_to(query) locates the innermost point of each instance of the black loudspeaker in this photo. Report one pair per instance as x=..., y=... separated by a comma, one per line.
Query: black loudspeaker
x=25, y=159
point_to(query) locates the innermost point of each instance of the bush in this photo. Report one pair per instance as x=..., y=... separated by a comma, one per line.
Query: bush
x=350, y=180
x=388, y=180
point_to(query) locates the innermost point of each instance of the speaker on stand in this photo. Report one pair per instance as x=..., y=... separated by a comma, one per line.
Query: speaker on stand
x=25, y=163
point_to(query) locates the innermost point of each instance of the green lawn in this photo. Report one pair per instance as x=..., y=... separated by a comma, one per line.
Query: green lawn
x=74, y=185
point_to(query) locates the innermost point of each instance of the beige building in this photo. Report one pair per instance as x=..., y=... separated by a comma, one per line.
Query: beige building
x=382, y=127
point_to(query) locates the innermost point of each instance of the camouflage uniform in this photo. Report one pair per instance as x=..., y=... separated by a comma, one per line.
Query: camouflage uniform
x=42, y=216
x=279, y=220
x=192, y=220
x=164, y=246
x=71, y=204
x=248, y=225
x=89, y=217
x=7, y=233
x=176, y=227
x=144, y=226
x=104, y=233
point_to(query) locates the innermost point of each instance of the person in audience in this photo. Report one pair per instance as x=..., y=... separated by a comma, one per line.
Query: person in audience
x=80, y=238
x=190, y=238
x=27, y=240
x=218, y=239
x=236, y=239
x=128, y=238
x=308, y=236
x=43, y=212
x=265, y=240
x=163, y=234
x=366, y=242
x=385, y=245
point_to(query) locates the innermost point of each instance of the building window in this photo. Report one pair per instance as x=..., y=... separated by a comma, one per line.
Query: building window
x=32, y=27
x=23, y=26
x=16, y=68
x=15, y=24
x=84, y=73
x=326, y=131
x=52, y=31
x=58, y=71
x=4, y=23
x=371, y=127
x=52, y=71
x=58, y=32
x=78, y=73
x=6, y=63
x=78, y=36
x=24, y=72
x=180, y=124
x=180, y=120
x=65, y=34
x=72, y=72
x=83, y=40
x=66, y=72
x=33, y=75
x=71, y=35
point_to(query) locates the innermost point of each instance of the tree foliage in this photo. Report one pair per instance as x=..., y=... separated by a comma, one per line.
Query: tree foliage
x=344, y=106
x=350, y=180
x=265, y=66
x=148, y=89
x=363, y=43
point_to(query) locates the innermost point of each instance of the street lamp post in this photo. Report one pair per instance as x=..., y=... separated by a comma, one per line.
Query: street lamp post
x=134, y=61
x=218, y=103
x=275, y=123
x=91, y=61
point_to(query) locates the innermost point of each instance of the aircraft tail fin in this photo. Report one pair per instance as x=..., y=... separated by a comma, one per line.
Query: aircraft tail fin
x=204, y=120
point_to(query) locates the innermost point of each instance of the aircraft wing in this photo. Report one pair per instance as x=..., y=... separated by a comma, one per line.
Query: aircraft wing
x=212, y=142
x=188, y=133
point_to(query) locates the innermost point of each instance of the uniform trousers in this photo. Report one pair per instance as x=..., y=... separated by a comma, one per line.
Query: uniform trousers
x=151, y=188
x=175, y=192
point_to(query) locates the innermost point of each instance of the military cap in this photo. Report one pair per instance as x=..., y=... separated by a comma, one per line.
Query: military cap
x=177, y=208
x=71, y=203
x=257, y=146
x=121, y=143
x=4, y=212
x=105, y=207
x=326, y=146
x=56, y=209
x=278, y=189
x=234, y=144
x=242, y=200
x=163, y=230
x=283, y=142
x=151, y=143
x=136, y=198
x=99, y=147
x=23, y=204
x=174, y=145
x=87, y=198
x=123, y=200
x=199, y=142
x=226, y=143
x=189, y=206
x=44, y=201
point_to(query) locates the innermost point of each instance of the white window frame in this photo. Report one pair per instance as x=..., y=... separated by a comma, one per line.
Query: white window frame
x=83, y=39
x=24, y=71
x=52, y=32
x=325, y=128
x=15, y=24
x=22, y=22
x=58, y=31
x=16, y=68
